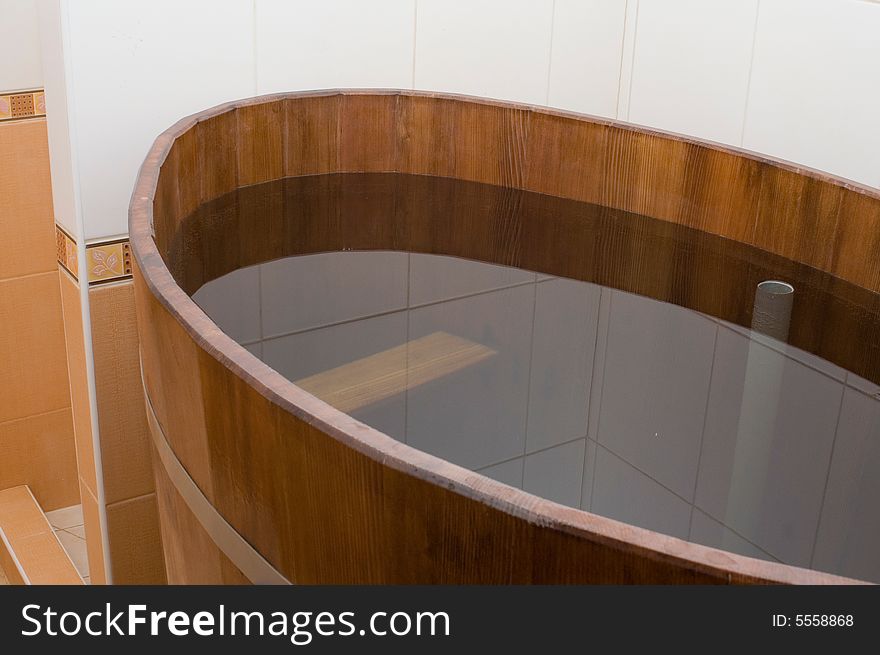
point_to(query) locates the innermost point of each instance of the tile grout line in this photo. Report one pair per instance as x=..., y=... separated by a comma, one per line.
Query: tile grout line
x=37, y=415
x=529, y=379
x=516, y=458
x=415, y=41
x=27, y=276
x=606, y=331
x=742, y=133
x=622, y=54
x=550, y=52
x=684, y=500
x=703, y=430
x=827, y=475
x=741, y=332
x=408, y=313
x=590, y=408
x=394, y=311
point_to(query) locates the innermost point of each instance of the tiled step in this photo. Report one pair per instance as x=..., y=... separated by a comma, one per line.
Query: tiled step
x=30, y=552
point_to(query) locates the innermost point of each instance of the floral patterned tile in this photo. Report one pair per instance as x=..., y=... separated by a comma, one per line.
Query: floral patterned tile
x=106, y=261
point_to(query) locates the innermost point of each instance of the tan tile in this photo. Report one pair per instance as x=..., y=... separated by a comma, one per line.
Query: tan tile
x=135, y=542
x=94, y=541
x=8, y=567
x=20, y=517
x=66, y=517
x=45, y=561
x=125, y=449
x=33, y=374
x=26, y=218
x=79, y=389
x=44, y=453
x=31, y=541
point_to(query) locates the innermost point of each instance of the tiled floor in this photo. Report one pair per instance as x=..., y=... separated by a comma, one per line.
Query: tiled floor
x=68, y=526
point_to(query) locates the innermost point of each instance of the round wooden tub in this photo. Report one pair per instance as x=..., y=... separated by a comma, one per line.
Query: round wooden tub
x=259, y=481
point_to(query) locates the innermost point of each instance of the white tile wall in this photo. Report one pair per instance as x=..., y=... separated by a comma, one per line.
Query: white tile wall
x=585, y=55
x=135, y=72
x=848, y=540
x=682, y=65
x=622, y=492
x=233, y=303
x=709, y=532
x=557, y=473
x=657, y=367
x=334, y=287
x=434, y=278
x=767, y=445
x=492, y=48
x=316, y=44
x=566, y=315
x=690, y=71
x=507, y=472
x=476, y=417
x=307, y=353
x=20, y=46
x=55, y=79
x=814, y=96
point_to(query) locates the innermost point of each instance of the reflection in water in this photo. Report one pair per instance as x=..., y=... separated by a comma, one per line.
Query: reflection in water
x=617, y=403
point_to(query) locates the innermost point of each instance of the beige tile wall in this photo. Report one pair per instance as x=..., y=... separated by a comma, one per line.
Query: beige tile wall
x=36, y=429
x=129, y=488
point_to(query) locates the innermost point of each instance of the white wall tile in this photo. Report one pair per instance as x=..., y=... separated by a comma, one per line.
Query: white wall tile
x=491, y=48
x=315, y=290
x=848, y=541
x=624, y=493
x=135, y=72
x=767, y=446
x=436, y=277
x=814, y=95
x=709, y=532
x=307, y=353
x=585, y=55
x=806, y=358
x=691, y=66
x=233, y=303
x=507, y=472
x=316, y=44
x=476, y=416
x=657, y=367
x=55, y=81
x=564, y=342
x=556, y=473
x=21, y=66
x=627, y=58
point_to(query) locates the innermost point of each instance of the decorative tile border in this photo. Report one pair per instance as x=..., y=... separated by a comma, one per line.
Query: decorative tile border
x=22, y=105
x=106, y=261
x=66, y=251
